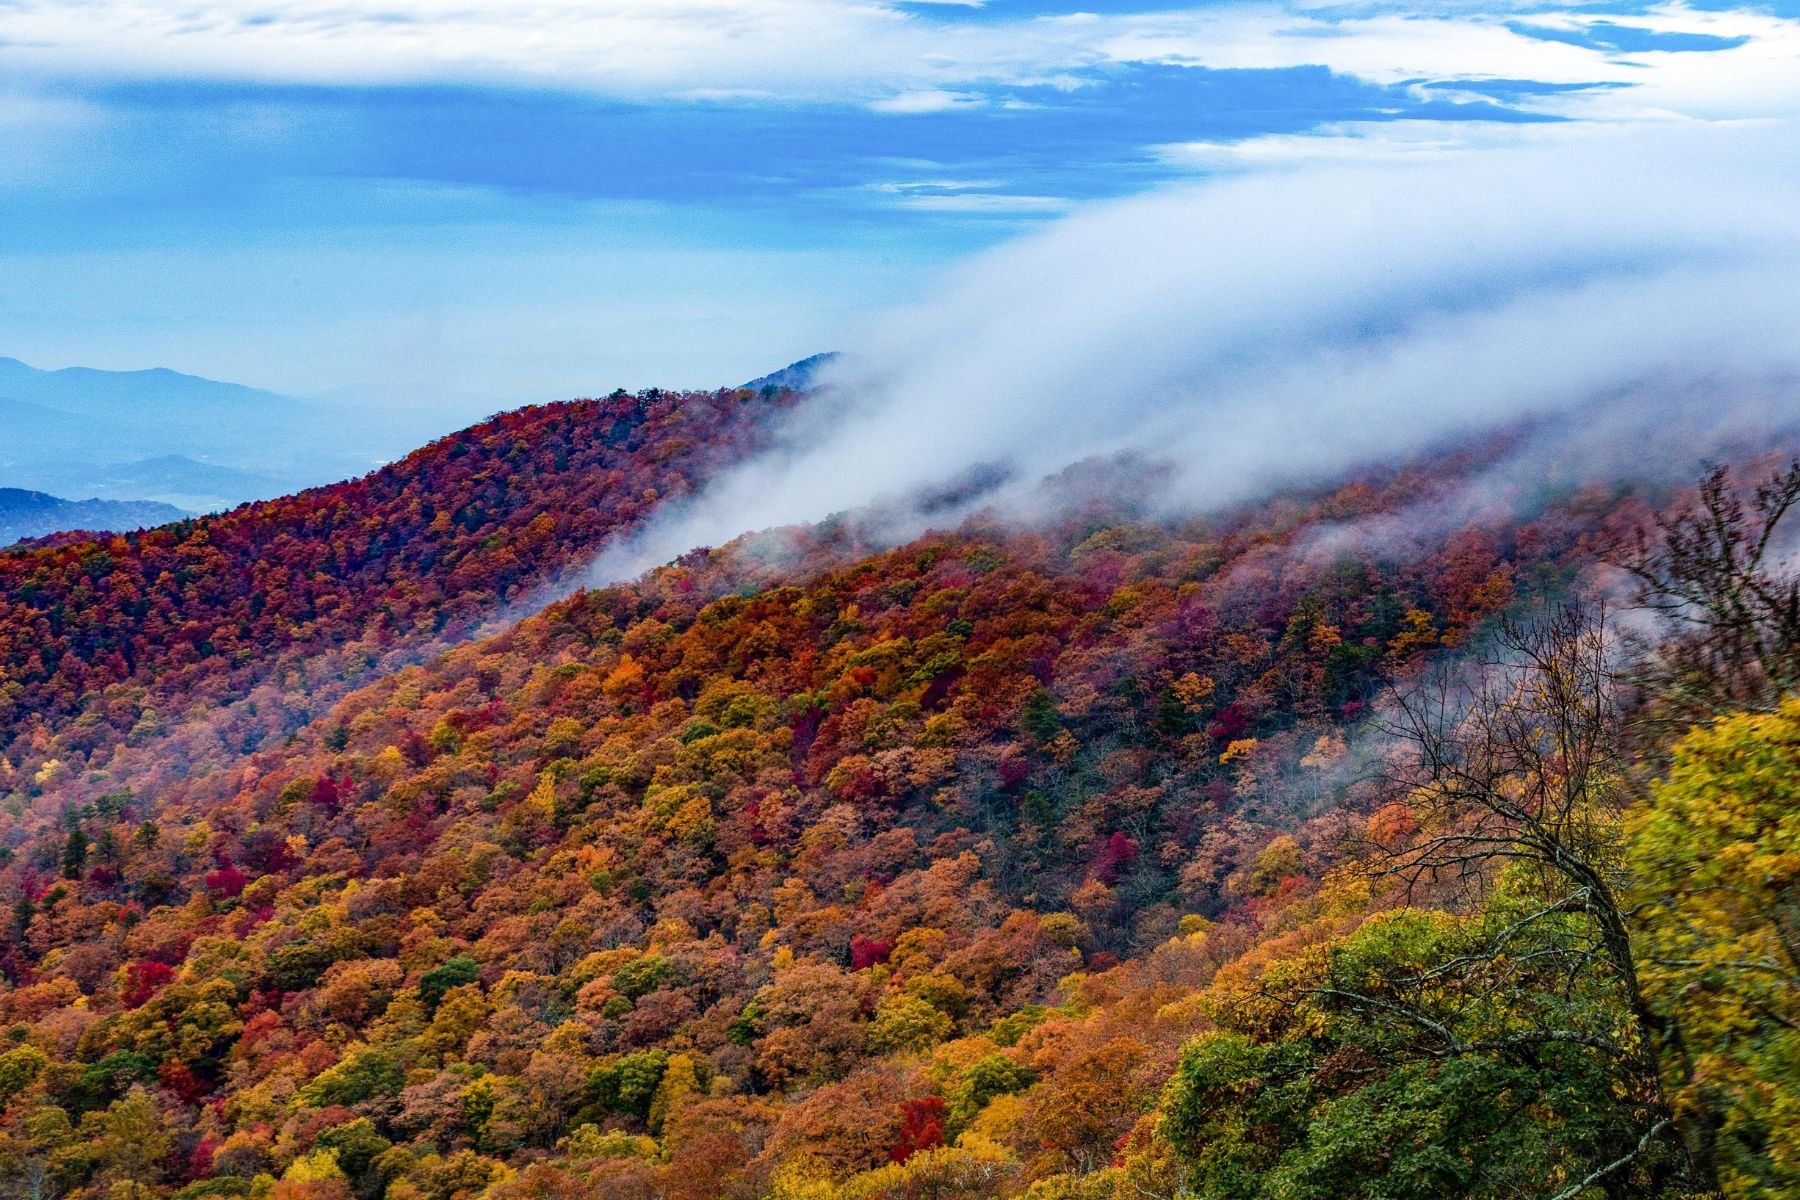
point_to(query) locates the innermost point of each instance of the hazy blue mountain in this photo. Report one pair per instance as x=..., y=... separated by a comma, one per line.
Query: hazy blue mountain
x=95, y=393
x=798, y=375
x=169, y=478
x=30, y=429
x=201, y=444
x=27, y=514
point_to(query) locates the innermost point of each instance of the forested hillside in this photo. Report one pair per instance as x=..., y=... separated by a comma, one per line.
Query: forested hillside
x=1257, y=658
x=1327, y=847
x=1072, y=859
x=120, y=642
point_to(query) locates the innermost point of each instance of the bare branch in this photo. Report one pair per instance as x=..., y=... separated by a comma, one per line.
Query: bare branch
x=1618, y=1164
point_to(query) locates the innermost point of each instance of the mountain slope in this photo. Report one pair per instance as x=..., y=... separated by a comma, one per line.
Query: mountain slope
x=759, y=874
x=110, y=642
x=26, y=514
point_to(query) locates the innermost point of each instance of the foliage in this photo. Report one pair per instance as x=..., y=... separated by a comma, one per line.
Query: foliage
x=106, y=644
x=1424, y=1055
x=1716, y=859
x=1006, y=861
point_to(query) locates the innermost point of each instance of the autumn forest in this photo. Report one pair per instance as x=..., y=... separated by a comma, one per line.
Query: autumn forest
x=357, y=845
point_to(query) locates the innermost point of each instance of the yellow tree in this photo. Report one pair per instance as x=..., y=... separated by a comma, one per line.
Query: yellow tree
x=1716, y=859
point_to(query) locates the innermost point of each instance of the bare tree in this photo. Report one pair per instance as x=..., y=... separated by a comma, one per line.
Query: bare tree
x=1521, y=761
x=1731, y=617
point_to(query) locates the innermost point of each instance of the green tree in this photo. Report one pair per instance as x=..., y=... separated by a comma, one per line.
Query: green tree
x=451, y=973
x=984, y=1079
x=74, y=855
x=357, y=1147
x=361, y=1074
x=625, y=1085
x=1426, y=1055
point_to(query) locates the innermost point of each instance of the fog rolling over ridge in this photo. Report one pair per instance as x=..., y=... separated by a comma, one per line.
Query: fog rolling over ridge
x=1637, y=296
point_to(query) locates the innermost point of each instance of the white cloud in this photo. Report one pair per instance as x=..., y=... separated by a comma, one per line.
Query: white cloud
x=997, y=203
x=1382, y=49
x=966, y=196
x=895, y=57
x=812, y=49
x=1358, y=142
x=930, y=101
x=1756, y=79
x=1275, y=328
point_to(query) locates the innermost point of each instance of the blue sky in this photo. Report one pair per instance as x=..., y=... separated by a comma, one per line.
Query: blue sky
x=503, y=201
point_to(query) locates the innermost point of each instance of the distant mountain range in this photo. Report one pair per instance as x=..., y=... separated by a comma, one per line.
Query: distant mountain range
x=203, y=445
x=196, y=443
x=25, y=514
x=172, y=479
x=94, y=392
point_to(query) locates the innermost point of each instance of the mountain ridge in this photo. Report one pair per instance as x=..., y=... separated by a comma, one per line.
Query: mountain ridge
x=28, y=514
x=89, y=389
x=797, y=376
x=257, y=443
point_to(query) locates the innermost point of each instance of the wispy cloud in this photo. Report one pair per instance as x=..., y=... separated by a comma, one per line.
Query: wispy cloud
x=238, y=142
x=1350, y=143
x=934, y=100
x=1276, y=328
x=891, y=55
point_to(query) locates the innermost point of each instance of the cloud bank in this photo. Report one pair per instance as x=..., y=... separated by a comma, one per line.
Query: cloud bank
x=1637, y=296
